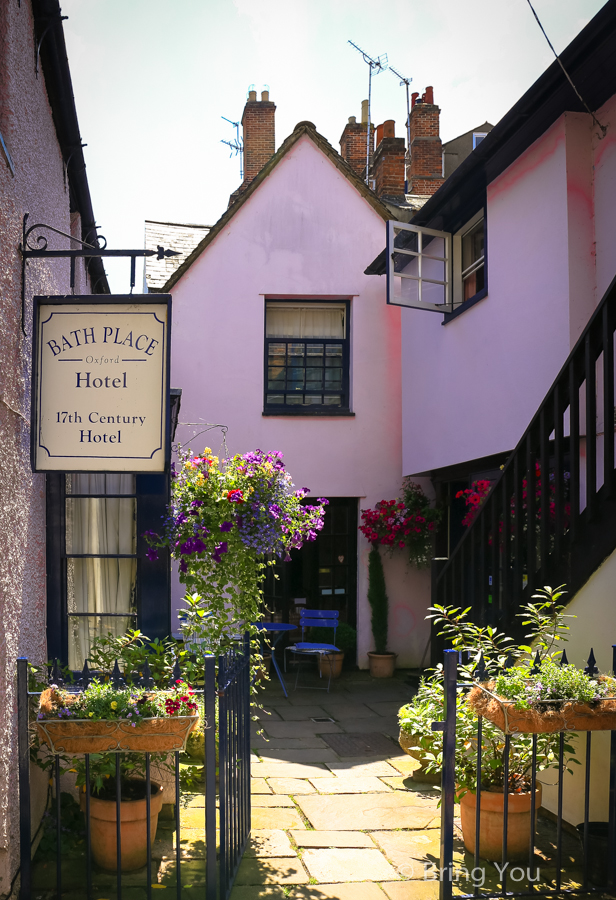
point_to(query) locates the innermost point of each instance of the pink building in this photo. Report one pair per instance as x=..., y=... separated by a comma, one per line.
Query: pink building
x=279, y=336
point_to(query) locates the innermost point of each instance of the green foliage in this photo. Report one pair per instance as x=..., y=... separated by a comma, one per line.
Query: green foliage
x=551, y=683
x=132, y=649
x=346, y=637
x=72, y=830
x=379, y=603
x=548, y=629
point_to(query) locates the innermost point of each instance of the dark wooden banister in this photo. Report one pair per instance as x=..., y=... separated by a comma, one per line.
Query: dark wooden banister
x=518, y=542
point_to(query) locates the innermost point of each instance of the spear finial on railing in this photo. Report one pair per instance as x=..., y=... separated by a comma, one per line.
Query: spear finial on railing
x=481, y=673
x=536, y=664
x=116, y=676
x=176, y=675
x=146, y=679
x=56, y=674
x=84, y=681
x=591, y=667
x=563, y=660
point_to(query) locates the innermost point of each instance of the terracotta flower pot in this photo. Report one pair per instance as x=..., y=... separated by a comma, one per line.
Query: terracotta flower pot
x=153, y=735
x=491, y=824
x=133, y=830
x=382, y=665
x=330, y=663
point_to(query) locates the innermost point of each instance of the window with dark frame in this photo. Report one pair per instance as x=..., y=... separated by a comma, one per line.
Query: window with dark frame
x=306, y=357
x=473, y=260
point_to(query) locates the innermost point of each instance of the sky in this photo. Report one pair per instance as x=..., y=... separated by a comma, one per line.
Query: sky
x=153, y=79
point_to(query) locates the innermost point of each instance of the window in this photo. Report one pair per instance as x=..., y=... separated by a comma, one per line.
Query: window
x=306, y=357
x=478, y=136
x=469, y=261
x=101, y=559
x=418, y=267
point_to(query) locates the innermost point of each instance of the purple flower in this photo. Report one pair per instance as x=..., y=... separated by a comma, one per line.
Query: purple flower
x=219, y=550
x=197, y=503
x=183, y=565
x=152, y=554
x=226, y=526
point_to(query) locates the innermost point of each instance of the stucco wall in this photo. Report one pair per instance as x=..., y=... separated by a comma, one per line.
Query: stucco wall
x=305, y=232
x=38, y=188
x=471, y=387
x=594, y=626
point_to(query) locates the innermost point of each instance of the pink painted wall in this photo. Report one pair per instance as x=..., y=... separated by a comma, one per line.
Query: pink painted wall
x=38, y=188
x=470, y=388
x=306, y=231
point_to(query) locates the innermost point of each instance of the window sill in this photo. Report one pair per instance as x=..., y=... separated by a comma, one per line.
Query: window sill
x=327, y=413
x=448, y=317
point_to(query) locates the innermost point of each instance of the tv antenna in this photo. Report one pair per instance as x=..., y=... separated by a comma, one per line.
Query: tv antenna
x=377, y=66
x=406, y=82
x=237, y=146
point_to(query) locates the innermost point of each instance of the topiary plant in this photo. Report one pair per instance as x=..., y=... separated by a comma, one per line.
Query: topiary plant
x=379, y=603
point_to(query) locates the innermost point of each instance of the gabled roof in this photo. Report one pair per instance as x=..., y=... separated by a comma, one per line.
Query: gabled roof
x=181, y=237
x=589, y=61
x=301, y=129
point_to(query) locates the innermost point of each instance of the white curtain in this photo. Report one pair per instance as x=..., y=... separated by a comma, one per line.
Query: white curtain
x=314, y=321
x=100, y=587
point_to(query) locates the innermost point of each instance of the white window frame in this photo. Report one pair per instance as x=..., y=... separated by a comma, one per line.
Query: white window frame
x=458, y=279
x=478, y=134
x=394, y=228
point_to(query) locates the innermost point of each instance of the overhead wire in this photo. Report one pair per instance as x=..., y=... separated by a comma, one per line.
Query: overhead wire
x=603, y=128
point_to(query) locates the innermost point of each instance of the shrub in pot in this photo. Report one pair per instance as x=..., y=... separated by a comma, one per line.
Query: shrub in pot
x=490, y=653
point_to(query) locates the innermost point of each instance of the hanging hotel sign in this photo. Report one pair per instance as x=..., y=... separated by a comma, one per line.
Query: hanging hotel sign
x=100, y=383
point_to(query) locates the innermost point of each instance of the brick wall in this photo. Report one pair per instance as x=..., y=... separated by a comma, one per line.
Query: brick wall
x=258, y=122
x=389, y=162
x=353, y=145
x=426, y=167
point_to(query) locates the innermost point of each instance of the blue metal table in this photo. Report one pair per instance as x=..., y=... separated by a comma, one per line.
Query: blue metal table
x=277, y=628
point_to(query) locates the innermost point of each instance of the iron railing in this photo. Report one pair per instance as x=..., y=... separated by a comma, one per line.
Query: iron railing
x=560, y=881
x=229, y=690
x=550, y=518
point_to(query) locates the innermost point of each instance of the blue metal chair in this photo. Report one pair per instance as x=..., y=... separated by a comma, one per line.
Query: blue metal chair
x=315, y=618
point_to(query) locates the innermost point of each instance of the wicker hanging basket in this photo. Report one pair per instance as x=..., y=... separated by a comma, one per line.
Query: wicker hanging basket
x=571, y=716
x=155, y=735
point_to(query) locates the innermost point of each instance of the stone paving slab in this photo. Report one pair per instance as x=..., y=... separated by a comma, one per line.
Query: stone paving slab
x=305, y=743
x=365, y=890
x=406, y=765
x=385, y=707
x=313, y=755
x=347, y=864
x=291, y=770
x=338, y=785
x=326, y=839
x=259, y=786
x=373, y=812
x=409, y=850
x=305, y=696
x=267, y=714
x=271, y=800
x=383, y=724
x=411, y=890
x=291, y=786
x=408, y=783
x=300, y=729
x=355, y=769
x=279, y=817
x=350, y=710
x=253, y=892
x=271, y=870
x=269, y=842
x=300, y=713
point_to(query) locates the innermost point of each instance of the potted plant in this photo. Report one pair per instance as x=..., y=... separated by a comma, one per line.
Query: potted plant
x=416, y=736
x=106, y=722
x=346, y=641
x=403, y=524
x=492, y=651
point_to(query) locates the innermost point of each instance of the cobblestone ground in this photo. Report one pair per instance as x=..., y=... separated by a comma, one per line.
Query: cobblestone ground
x=324, y=826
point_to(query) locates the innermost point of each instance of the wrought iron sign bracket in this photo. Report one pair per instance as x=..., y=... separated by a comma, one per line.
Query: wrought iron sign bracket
x=37, y=248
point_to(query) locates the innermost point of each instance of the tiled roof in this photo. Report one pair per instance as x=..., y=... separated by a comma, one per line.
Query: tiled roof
x=171, y=236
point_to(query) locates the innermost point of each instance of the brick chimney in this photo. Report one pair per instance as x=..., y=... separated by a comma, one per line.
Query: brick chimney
x=259, y=134
x=353, y=141
x=389, y=162
x=425, y=174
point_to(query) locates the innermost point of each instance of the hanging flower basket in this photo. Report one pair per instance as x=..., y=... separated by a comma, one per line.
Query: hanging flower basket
x=546, y=716
x=151, y=735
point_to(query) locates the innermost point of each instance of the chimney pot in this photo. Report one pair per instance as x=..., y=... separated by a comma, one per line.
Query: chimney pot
x=389, y=128
x=414, y=97
x=379, y=134
x=265, y=96
x=364, y=112
x=352, y=120
x=252, y=96
x=428, y=96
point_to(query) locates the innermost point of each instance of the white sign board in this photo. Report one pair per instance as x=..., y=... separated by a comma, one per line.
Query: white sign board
x=100, y=383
